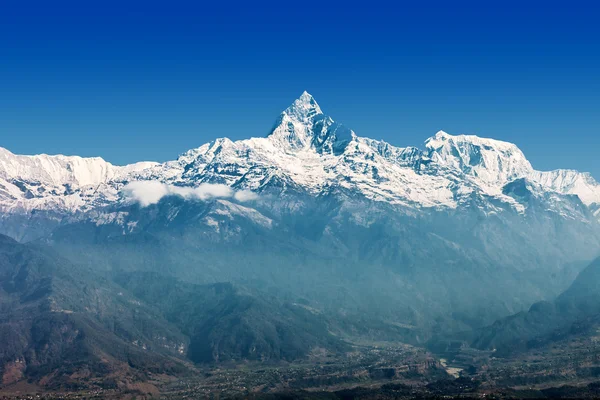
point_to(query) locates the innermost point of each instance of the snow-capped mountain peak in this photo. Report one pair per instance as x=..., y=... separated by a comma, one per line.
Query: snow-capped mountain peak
x=492, y=161
x=438, y=139
x=304, y=126
x=303, y=108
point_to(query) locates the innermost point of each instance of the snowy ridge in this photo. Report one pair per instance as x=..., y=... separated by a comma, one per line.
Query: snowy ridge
x=570, y=182
x=71, y=183
x=492, y=161
x=306, y=151
x=63, y=170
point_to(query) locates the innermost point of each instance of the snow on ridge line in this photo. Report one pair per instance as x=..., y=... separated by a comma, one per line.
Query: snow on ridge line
x=151, y=192
x=59, y=169
x=296, y=147
x=441, y=137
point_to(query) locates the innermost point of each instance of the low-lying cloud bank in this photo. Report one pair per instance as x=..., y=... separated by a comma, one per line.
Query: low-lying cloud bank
x=150, y=192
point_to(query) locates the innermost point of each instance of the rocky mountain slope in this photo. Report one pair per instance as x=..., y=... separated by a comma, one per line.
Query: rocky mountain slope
x=64, y=325
x=58, y=321
x=573, y=312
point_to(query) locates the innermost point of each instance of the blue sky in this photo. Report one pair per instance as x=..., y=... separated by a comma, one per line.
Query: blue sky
x=149, y=80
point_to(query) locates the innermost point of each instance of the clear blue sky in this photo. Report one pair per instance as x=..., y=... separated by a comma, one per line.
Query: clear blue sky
x=149, y=80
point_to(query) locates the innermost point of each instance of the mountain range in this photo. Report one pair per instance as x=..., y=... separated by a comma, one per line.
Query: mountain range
x=306, y=152
x=273, y=247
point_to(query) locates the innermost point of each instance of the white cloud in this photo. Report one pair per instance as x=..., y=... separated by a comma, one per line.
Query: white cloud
x=150, y=192
x=245, y=195
x=207, y=190
x=146, y=192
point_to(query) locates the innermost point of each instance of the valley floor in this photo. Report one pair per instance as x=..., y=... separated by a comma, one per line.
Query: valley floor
x=568, y=370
